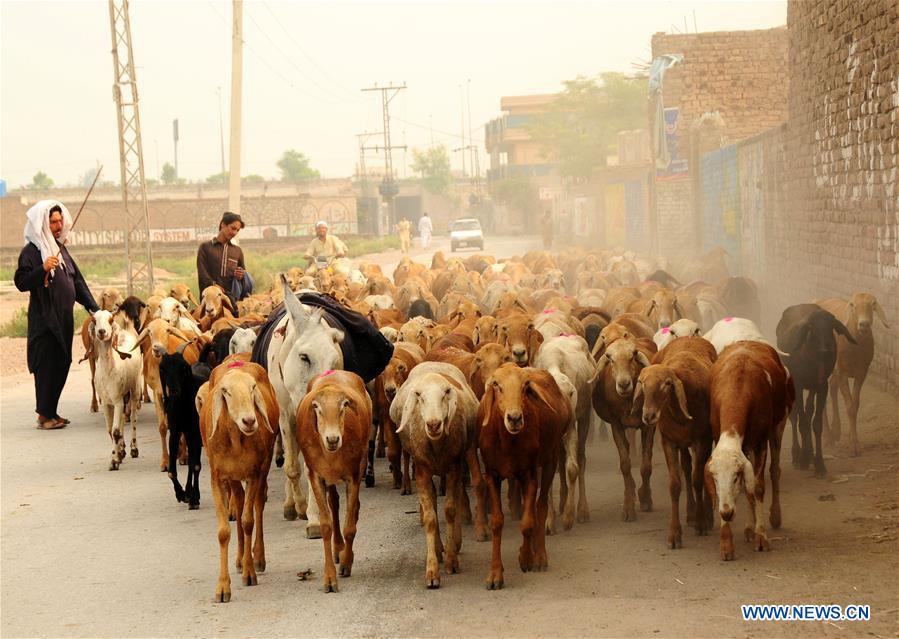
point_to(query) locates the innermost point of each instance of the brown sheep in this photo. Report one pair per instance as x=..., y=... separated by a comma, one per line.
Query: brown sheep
x=520, y=336
x=333, y=423
x=238, y=411
x=522, y=417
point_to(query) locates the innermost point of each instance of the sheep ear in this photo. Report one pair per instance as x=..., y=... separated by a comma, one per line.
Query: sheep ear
x=218, y=405
x=487, y=401
x=681, y=398
x=259, y=402
x=535, y=339
x=407, y=412
x=638, y=395
x=226, y=301
x=600, y=367
x=541, y=393
x=841, y=329
x=642, y=359
x=878, y=309
x=679, y=309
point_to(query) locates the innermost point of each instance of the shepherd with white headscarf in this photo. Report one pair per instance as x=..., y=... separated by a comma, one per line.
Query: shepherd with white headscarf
x=49, y=274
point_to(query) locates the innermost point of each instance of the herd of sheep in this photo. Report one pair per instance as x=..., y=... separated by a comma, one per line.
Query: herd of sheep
x=476, y=371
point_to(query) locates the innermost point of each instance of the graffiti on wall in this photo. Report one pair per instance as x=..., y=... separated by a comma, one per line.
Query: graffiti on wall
x=721, y=213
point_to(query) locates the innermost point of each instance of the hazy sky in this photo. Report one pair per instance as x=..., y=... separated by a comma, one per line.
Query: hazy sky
x=304, y=66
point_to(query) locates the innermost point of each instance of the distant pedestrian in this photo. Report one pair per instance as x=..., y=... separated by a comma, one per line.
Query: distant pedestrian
x=47, y=271
x=404, y=230
x=425, y=229
x=546, y=227
x=219, y=261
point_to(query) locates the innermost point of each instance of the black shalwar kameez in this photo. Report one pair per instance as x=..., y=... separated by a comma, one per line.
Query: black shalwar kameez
x=50, y=322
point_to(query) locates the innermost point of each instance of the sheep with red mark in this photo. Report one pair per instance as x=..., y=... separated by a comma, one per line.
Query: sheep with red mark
x=750, y=396
x=674, y=391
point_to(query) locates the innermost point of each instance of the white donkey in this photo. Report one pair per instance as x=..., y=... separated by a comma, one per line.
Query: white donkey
x=301, y=347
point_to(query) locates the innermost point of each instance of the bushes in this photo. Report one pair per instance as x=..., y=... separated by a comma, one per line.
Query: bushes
x=18, y=325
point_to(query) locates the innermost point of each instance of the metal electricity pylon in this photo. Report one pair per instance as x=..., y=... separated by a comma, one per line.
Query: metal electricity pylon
x=138, y=251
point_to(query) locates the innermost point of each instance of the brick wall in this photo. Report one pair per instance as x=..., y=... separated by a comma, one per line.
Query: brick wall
x=742, y=75
x=842, y=151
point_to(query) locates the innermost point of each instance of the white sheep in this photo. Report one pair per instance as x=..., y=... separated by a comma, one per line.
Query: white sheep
x=680, y=328
x=735, y=329
x=242, y=341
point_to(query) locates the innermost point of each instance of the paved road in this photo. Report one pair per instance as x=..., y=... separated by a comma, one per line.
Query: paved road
x=88, y=552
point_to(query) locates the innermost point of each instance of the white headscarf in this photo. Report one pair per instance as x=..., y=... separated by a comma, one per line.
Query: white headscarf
x=37, y=229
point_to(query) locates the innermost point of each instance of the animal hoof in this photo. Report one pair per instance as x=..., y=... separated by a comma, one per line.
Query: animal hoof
x=259, y=565
x=313, y=531
x=369, y=481
x=222, y=595
x=279, y=461
x=494, y=583
x=629, y=515
x=381, y=453
x=345, y=571
x=675, y=542
x=232, y=517
x=250, y=580
x=762, y=543
x=193, y=507
x=113, y=465
x=727, y=555
x=290, y=512
x=135, y=453
x=330, y=585
x=646, y=506
x=749, y=533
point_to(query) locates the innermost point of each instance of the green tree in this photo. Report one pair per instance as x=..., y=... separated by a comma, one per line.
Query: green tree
x=517, y=192
x=295, y=167
x=434, y=167
x=218, y=178
x=253, y=178
x=581, y=127
x=41, y=182
x=168, y=174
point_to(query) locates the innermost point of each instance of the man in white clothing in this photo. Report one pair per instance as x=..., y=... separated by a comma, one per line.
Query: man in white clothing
x=425, y=228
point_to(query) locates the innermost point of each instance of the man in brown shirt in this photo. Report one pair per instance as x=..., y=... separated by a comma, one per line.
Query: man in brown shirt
x=218, y=260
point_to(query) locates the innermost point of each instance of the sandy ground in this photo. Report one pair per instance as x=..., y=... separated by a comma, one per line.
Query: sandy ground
x=91, y=553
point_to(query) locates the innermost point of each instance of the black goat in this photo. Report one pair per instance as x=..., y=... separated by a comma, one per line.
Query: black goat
x=179, y=392
x=133, y=309
x=215, y=352
x=806, y=333
x=421, y=308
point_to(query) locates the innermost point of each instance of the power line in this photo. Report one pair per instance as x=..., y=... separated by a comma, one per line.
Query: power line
x=309, y=58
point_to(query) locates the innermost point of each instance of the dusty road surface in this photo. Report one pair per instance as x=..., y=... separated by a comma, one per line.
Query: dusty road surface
x=92, y=553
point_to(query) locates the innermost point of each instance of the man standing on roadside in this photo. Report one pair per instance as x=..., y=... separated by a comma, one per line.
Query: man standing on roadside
x=50, y=275
x=404, y=230
x=219, y=261
x=425, y=228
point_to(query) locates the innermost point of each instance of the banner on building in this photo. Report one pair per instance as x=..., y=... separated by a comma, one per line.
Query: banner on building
x=677, y=148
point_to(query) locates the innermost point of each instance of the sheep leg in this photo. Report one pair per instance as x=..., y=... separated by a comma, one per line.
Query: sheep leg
x=805, y=430
x=237, y=494
x=453, y=520
x=173, y=466
x=279, y=449
x=495, y=575
x=295, y=503
x=818, y=426
x=193, y=473
x=551, y=515
x=370, y=467
x=774, y=470
x=854, y=403
x=675, y=533
x=108, y=413
x=337, y=543
x=163, y=425
x=134, y=407
x=645, y=491
x=248, y=573
x=382, y=440
x=223, y=587
x=832, y=421
x=583, y=431
x=407, y=477
x=541, y=561
x=572, y=474
x=528, y=519
x=427, y=499
x=795, y=418
x=93, y=365
x=686, y=463
x=757, y=503
x=313, y=525
x=259, y=506
x=629, y=512
x=479, y=488
x=349, y=529
x=514, y=498
x=394, y=451
x=318, y=487
x=704, y=515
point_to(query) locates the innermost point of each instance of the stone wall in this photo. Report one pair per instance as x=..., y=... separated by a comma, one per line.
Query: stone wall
x=842, y=151
x=741, y=76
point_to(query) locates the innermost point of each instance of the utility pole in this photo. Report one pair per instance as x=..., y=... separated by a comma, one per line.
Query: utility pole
x=476, y=167
x=471, y=145
x=462, y=114
x=138, y=250
x=363, y=138
x=236, y=102
x=221, y=128
x=388, y=188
